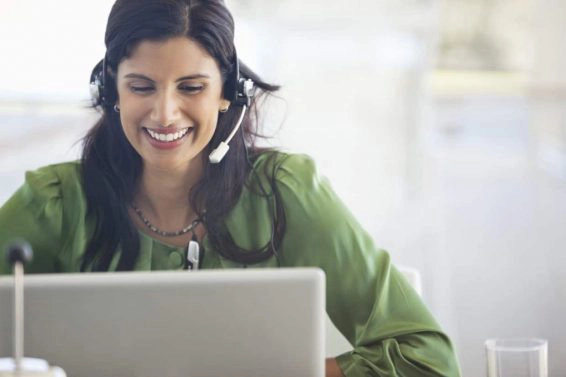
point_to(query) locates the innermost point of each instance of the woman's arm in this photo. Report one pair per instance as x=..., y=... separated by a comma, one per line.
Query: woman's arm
x=332, y=368
x=369, y=301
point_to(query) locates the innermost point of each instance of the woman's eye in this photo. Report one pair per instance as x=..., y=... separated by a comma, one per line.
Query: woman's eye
x=191, y=88
x=141, y=89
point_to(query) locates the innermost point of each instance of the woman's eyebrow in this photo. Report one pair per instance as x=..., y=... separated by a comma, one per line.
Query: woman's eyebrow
x=192, y=77
x=137, y=76
x=188, y=77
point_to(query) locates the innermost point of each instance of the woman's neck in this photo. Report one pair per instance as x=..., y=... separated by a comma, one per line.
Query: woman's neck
x=163, y=195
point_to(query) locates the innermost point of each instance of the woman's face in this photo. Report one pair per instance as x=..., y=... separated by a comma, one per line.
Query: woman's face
x=169, y=94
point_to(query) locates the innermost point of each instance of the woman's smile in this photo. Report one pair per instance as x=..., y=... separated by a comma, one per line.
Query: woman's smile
x=167, y=135
x=167, y=138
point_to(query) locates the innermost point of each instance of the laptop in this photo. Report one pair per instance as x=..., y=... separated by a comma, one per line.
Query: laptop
x=252, y=322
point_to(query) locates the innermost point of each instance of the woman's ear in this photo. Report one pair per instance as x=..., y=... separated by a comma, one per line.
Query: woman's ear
x=224, y=105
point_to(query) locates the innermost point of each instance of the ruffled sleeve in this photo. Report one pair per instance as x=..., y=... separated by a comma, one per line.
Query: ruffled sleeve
x=43, y=212
x=375, y=308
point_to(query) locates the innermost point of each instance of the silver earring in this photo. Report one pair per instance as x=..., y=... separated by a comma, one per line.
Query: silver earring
x=116, y=108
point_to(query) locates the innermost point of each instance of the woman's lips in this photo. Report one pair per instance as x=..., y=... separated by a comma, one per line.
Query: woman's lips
x=167, y=138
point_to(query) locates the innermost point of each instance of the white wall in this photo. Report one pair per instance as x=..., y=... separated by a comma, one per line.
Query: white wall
x=548, y=88
x=50, y=47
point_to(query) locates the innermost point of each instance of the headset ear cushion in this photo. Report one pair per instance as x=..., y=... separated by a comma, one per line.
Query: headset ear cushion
x=97, y=84
x=231, y=84
x=95, y=92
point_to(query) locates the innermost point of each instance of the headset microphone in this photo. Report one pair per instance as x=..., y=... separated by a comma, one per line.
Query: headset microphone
x=240, y=91
x=220, y=151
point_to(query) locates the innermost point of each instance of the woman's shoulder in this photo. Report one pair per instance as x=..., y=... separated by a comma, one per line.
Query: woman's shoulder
x=53, y=181
x=287, y=175
x=294, y=170
x=44, y=211
x=60, y=170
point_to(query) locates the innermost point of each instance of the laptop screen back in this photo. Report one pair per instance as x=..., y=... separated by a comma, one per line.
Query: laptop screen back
x=207, y=323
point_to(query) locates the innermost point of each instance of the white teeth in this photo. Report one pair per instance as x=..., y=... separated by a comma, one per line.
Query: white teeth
x=167, y=137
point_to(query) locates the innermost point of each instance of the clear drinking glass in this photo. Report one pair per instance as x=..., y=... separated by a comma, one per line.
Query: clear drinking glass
x=517, y=357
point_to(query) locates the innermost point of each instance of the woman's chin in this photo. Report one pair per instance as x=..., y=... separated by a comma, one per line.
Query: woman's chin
x=173, y=163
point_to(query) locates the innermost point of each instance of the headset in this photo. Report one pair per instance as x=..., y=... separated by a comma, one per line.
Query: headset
x=238, y=90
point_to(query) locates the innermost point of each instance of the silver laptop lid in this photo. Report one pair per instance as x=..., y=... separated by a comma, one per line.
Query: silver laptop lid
x=267, y=322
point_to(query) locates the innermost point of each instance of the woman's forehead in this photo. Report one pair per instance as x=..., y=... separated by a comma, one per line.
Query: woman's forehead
x=178, y=55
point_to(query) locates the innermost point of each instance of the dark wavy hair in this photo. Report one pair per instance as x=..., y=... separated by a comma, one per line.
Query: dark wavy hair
x=111, y=168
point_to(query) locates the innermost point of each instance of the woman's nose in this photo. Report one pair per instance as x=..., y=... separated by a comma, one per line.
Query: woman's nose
x=165, y=110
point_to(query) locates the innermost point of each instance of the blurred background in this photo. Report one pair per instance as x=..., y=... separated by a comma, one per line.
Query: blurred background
x=440, y=123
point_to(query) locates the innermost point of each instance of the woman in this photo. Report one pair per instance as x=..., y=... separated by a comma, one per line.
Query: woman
x=152, y=191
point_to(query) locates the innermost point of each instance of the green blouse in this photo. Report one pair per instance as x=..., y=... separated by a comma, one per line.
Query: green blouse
x=368, y=300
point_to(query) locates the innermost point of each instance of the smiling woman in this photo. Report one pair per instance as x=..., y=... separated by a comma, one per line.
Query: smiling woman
x=169, y=98
x=171, y=90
